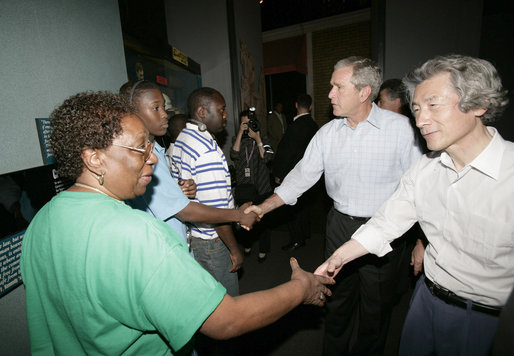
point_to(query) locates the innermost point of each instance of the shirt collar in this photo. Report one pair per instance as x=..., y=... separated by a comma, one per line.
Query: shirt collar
x=372, y=116
x=193, y=126
x=158, y=147
x=297, y=116
x=489, y=160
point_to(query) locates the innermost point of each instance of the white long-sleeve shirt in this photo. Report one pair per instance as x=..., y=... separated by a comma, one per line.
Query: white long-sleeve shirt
x=362, y=165
x=467, y=217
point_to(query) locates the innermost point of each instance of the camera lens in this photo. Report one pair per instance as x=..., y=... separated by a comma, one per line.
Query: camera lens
x=254, y=125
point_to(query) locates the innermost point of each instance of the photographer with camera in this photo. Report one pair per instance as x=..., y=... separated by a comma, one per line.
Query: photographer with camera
x=251, y=153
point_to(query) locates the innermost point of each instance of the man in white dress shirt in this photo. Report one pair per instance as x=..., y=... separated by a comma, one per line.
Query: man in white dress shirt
x=461, y=195
x=363, y=153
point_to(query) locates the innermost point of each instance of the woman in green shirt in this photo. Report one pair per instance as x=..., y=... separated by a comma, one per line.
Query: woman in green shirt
x=103, y=278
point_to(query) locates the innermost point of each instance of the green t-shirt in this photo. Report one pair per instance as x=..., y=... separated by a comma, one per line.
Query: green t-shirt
x=103, y=278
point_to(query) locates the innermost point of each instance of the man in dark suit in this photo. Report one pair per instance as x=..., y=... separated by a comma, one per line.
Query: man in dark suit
x=290, y=150
x=276, y=125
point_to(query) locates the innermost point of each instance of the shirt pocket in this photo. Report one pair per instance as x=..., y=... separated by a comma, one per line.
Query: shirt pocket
x=491, y=238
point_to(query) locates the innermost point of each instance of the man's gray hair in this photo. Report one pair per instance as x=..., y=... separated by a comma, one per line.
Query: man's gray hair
x=475, y=80
x=365, y=73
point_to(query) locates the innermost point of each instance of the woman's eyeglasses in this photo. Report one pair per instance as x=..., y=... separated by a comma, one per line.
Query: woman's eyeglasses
x=147, y=151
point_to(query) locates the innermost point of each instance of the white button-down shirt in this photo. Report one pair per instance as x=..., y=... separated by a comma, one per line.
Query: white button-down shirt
x=467, y=217
x=362, y=165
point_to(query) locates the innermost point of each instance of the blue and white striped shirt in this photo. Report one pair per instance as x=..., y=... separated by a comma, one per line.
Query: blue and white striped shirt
x=362, y=165
x=196, y=155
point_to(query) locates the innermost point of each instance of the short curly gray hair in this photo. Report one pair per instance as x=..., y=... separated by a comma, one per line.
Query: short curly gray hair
x=365, y=73
x=85, y=120
x=475, y=80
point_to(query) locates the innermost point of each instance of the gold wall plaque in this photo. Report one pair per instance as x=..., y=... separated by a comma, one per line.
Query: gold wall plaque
x=180, y=57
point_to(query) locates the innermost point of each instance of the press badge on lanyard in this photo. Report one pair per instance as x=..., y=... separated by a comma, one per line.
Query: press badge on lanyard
x=248, y=159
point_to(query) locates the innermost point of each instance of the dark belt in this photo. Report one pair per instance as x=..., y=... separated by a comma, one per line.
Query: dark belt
x=356, y=218
x=453, y=299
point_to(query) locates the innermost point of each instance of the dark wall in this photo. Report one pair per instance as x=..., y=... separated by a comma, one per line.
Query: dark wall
x=416, y=31
x=497, y=46
x=284, y=87
x=144, y=21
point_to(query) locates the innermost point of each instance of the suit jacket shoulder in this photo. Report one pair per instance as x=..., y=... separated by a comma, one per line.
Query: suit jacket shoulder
x=293, y=144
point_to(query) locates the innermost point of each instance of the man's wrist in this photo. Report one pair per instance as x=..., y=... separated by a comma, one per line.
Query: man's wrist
x=239, y=215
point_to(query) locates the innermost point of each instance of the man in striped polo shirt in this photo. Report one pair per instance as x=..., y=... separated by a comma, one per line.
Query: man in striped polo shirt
x=196, y=155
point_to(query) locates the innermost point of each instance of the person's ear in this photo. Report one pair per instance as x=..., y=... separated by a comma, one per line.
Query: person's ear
x=93, y=160
x=479, y=112
x=201, y=112
x=364, y=93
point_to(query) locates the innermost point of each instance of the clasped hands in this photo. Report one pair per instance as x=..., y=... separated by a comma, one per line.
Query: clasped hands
x=316, y=291
x=248, y=215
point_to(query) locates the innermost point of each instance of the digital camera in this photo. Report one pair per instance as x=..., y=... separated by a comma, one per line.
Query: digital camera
x=253, y=124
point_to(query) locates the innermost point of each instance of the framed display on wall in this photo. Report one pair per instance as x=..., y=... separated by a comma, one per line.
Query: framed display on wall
x=176, y=73
x=22, y=194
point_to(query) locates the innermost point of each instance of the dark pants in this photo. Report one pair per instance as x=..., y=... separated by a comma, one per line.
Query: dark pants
x=259, y=231
x=299, y=223
x=504, y=339
x=364, y=294
x=433, y=327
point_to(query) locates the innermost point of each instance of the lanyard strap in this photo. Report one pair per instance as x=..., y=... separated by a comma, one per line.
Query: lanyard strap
x=249, y=158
